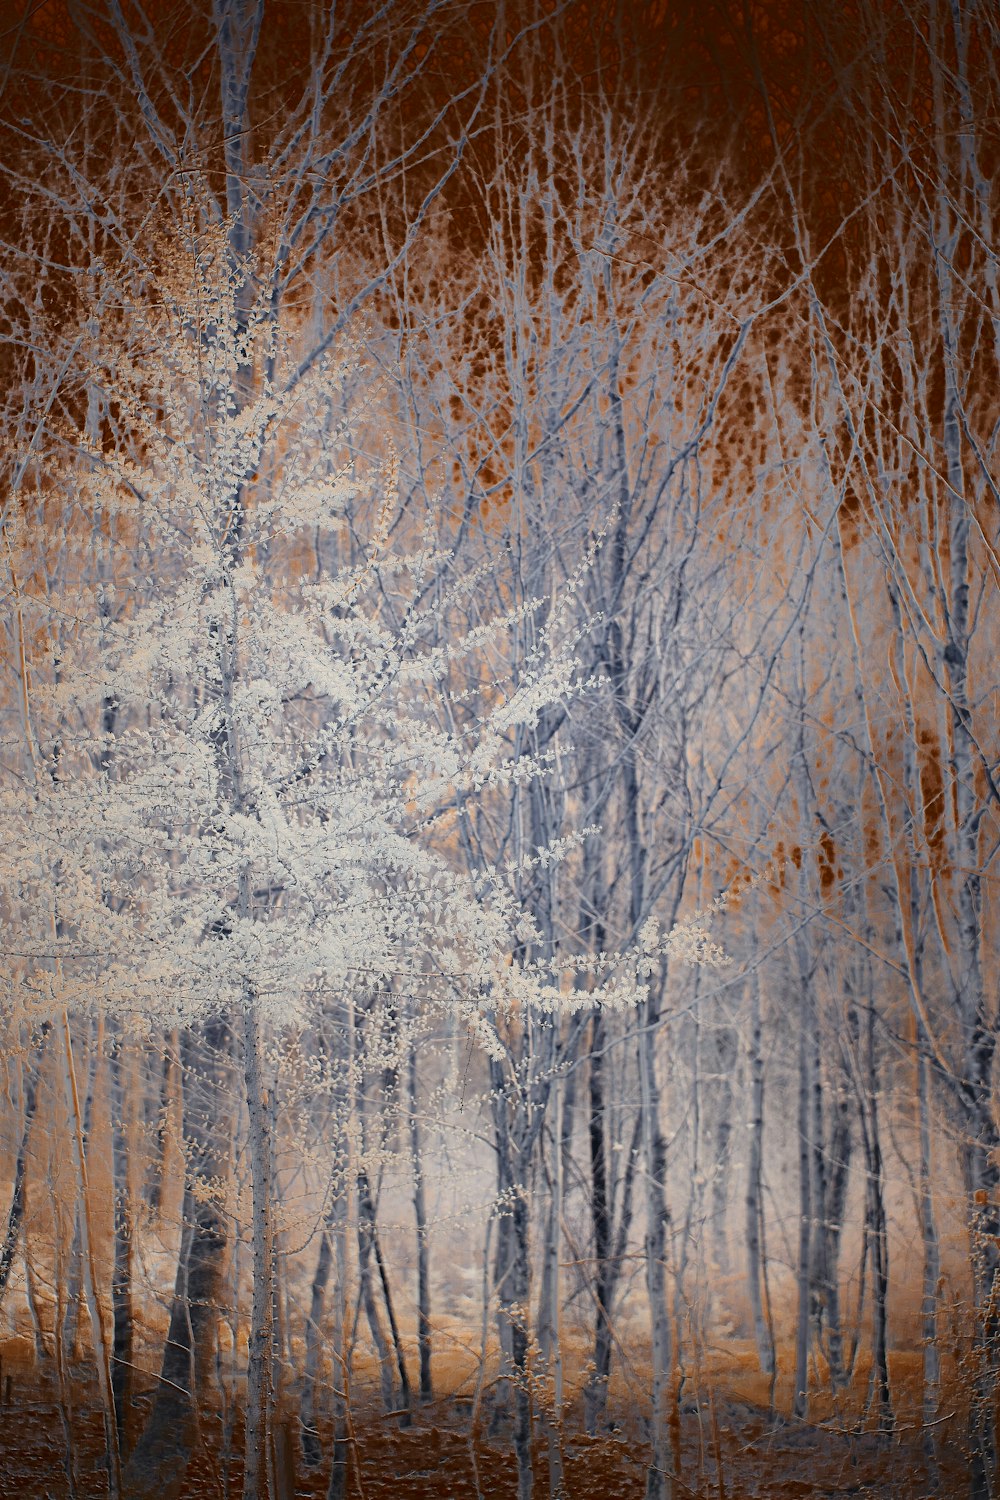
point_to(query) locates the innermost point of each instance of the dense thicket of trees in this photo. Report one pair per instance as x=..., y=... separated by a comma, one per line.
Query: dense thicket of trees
x=499, y=703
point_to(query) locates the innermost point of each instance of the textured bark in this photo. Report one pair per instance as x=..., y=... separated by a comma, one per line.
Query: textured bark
x=800, y=1388
x=74, y=1288
x=311, y=1449
x=841, y=1145
x=123, y=1358
x=15, y=1213
x=337, y=1489
x=518, y=1305
x=877, y=1232
x=366, y=1238
x=423, y=1244
x=513, y=1280
x=549, y=1343
x=754, y=1195
x=596, y=1393
x=88, y=1262
x=931, y=1268
x=188, y=1365
x=260, y=1351
x=663, y=1459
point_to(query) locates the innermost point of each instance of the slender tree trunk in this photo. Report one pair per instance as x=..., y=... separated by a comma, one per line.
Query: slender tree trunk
x=332, y=1249
x=311, y=1450
x=260, y=1350
x=188, y=1363
x=366, y=1238
x=168, y=1090
x=369, y=1249
x=548, y=1314
x=840, y=1152
x=62, y=1371
x=74, y=1289
x=663, y=1460
x=877, y=1232
x=800, y=1399
x=405, y=1397
x=931, y=1268
x=726, y=1051
x=15, y=1214
x=88, y=1260
x=121, y=1281
x=337, y=1488
x=685, y=1299
x=423, y=1246
x=596, y=1392
x=829, y=1191
x=754, y=1195
x=513, y=1277
x=518, y=1310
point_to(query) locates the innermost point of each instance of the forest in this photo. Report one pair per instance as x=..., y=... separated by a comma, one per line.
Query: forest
x=499, y=527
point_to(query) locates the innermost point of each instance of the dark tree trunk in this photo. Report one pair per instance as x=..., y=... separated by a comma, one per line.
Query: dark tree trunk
x=596, y=1394
x=15, y=1214
x=423, y=1247
x=188, y=1363
x=754, y=1194
x=121, y=1281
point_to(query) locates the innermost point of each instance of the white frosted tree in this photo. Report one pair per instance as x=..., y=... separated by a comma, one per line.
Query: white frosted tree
x=234, y=782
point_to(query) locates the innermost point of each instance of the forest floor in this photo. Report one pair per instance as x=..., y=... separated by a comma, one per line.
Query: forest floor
x=731, y=1448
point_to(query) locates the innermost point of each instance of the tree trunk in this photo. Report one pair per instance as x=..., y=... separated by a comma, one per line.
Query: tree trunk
x=596, y=1392
x=15, y=1213
x=726, y=1054
x=88, y=1263
x=754, y=1196
x=931, y=1269
x=800, y=1400
x=188, y=1364
x=337, y=1489
x=74, y=1289
x=549, y=1344
x=663, y=1460
x=260, y=1349
x=423, y=1248
x=876, y=1230
x=840, y=1152
x=513, y=1279
x=517, y=1311
x=121, y=1281
x=311, y=1450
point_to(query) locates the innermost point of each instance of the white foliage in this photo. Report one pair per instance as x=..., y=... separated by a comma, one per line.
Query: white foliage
x=239, y=775
x=236, y=748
